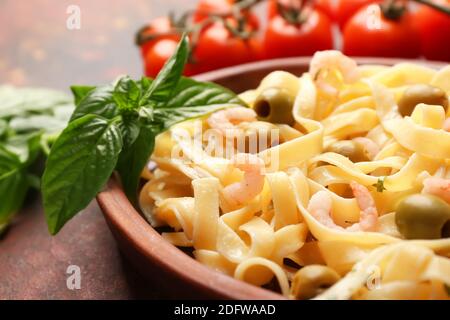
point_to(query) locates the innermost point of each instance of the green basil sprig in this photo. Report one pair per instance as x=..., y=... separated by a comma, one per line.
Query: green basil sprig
x=114, y=128
x=29, y=118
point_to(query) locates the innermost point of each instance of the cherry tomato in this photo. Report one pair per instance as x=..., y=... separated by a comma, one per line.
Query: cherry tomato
x=217, y=48
x=205, y=7
x=341, y=11
x=370, y=33
x=221, y=7
x=157, y=55
x=434, y=31
x=157, y=26
x=284, y=39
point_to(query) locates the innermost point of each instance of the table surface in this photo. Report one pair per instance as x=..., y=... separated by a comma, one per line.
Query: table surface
x=37, y=49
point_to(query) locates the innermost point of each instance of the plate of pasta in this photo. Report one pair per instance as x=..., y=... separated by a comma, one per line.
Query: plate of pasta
x=334, y=183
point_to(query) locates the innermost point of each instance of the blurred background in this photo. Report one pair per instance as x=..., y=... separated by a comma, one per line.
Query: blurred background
x=36, y=47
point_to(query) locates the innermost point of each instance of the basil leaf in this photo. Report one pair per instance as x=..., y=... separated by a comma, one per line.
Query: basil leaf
x=22, y=101
x=81, y=161
x=133, y=159
x=26, y=147
x=13, y=186
x=13, y=189
x=145, y=83
x=163, y=86
x=146, y=115
x=25, y=114
x=9, y=162
x=47, y=123
x=193, y=99
x=129, y=127
x=3, y=127
x=127, y=94
x=99, y=102
x=79, y=92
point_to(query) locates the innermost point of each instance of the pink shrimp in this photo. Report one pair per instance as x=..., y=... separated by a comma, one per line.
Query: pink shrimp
x=226, y=119
x=446, y=126
x=253, y=182
x=438, y=187
x=332, y=59
x=320, y=206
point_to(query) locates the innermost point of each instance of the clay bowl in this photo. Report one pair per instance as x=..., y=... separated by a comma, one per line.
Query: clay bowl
x=160, y=261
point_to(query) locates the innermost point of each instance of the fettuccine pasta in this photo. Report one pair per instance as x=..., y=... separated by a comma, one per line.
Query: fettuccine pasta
x=331, y=185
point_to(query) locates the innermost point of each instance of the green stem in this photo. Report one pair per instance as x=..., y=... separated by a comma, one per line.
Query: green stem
x=45, y=147
x=294, y=15
x=47, y=140
x=392, y=9
x=433, y=5
x=245, y=4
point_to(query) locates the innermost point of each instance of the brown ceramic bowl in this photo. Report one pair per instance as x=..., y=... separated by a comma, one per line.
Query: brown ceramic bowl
x=161, y=261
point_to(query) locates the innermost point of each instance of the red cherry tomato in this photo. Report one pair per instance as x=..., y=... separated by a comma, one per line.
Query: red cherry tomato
x=217, y=48
x=205, y=7
x=341, y=11
x=370, y=33
x=157, y=55
x=221, y=7
x=284, y=39
x=157, y=26
x=434, y=31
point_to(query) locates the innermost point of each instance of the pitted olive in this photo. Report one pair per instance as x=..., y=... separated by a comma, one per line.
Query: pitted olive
x=353, y=150
x=421, y=93
x=275, y=105
x=311, y=280
x=422, y=216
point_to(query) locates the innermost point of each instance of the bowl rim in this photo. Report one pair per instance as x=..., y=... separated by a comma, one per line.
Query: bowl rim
x=283, y=63
x=119, y=211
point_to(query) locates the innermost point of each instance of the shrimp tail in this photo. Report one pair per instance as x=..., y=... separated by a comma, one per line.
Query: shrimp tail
x=439, y=187
x=253, y=182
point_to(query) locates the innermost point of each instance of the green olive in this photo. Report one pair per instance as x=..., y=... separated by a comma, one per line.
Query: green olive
x=311, y=280
x=421, y=93
x=275, y=105
x=422, y=216
x=348, y=148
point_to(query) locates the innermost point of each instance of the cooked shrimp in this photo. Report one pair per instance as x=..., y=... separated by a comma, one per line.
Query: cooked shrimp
x=332, y=59
x=320, y=206
x=225, y=120
x=253, y=182
x=368, y=215
x=446, y=126
x=370, y=147
x=439, y=187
